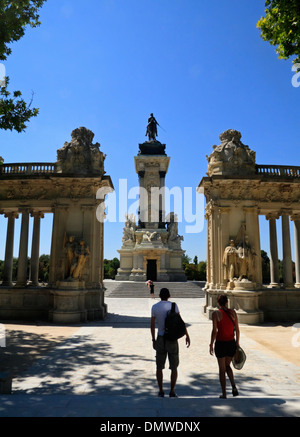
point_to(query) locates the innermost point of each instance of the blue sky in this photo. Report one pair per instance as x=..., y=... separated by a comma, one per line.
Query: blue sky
x=199, y=66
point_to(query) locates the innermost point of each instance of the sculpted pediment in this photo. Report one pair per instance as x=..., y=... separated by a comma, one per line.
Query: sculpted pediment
x=80, y=155
x=231, y=157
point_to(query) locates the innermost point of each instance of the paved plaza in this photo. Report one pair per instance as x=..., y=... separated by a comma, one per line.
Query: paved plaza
x=107, y=369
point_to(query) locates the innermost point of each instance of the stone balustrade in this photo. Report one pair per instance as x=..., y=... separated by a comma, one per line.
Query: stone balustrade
x=30, y=168
x=278, y=170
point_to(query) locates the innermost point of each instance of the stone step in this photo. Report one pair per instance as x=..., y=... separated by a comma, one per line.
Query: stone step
x=127, y=289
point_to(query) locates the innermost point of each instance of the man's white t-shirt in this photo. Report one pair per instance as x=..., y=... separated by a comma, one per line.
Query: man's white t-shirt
x=159, y=311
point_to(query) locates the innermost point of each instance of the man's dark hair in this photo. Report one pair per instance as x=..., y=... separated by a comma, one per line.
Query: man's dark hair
x=164, y=293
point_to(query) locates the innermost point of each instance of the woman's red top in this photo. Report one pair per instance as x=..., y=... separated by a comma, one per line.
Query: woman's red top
x=225, y=328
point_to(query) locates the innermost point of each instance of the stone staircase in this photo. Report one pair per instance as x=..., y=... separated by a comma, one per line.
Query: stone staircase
x=126, y=289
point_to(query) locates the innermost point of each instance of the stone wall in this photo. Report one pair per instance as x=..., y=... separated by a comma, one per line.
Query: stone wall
x=39, y=303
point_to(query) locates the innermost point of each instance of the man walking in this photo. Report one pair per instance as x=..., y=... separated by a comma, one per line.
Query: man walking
x=163, y=346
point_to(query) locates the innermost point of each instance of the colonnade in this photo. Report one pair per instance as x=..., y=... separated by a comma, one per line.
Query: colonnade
x=288, y=281
x=22, y=274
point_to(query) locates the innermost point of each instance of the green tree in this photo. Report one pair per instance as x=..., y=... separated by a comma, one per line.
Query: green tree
x=14, y=111
x=191, y=272
x=202, y=270
x=111, y=268
x=281, y=27
x=1, y=269
x=15, y=269
x=185, y=260
x=265, y=265
x=44, y=263
x=14, y=18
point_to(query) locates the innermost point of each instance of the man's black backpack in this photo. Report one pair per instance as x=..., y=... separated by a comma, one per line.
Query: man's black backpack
x=174, y=325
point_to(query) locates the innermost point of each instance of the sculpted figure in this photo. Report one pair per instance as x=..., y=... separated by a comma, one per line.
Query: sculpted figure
x=246, y=259
x=230, y=258
x=69, y=250
x=80, y=155
x=172, y=228
x=231, y=156
x=129, y=229
x=152, y=128
x=81, y=255
x=149, y=236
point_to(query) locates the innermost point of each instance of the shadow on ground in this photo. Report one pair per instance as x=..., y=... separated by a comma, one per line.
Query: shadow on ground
x=80, y=377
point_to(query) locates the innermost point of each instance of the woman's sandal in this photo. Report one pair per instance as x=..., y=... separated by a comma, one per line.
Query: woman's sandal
x=235, y=391
x=222, y=397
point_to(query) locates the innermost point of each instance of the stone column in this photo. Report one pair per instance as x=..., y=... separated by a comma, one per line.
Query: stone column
x=208, y=249
x=101, y=255
x=274, y=266
x=252, y=230
x=92, y=234
x=224, y=239
x=135, y=261
x=286, y=249
x=9, y=249
x=214, y=260
x=35, y=249
x=143, y=205
x=162, y=218
x=296, y=219
x=56, y=269
x=23, y=249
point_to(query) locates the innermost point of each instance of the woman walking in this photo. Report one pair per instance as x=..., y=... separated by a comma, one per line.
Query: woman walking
x=225, y=337
x=151, y=287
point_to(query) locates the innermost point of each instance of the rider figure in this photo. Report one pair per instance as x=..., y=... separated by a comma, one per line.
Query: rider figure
x=152, y=128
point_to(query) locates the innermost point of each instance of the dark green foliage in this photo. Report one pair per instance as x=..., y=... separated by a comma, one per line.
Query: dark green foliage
x=281, y=27
x=195, y=271
x=15, y=16
x=111, y=268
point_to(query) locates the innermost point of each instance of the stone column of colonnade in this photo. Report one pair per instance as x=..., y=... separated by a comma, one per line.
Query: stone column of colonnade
x=22, y=274
x=143, y=215
x=35, y=249
x=23, y=249
x=162, y=175
x=296, y=220
x=9, y=248
x=274, y=266
x=286, y=249
x=252, y=229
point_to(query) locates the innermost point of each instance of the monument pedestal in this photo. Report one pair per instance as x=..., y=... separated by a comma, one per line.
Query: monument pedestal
x=244, y=302
x=70, y=284
x=244, y=285
x=74, y=303
x=151, y=249
x=68, y=307
x=137, y=275
x=69, y=302
x=94, y=304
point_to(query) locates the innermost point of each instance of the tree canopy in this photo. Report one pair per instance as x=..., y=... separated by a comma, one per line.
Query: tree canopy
x=14, y=111
x=281, y=27
x=15, y=16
